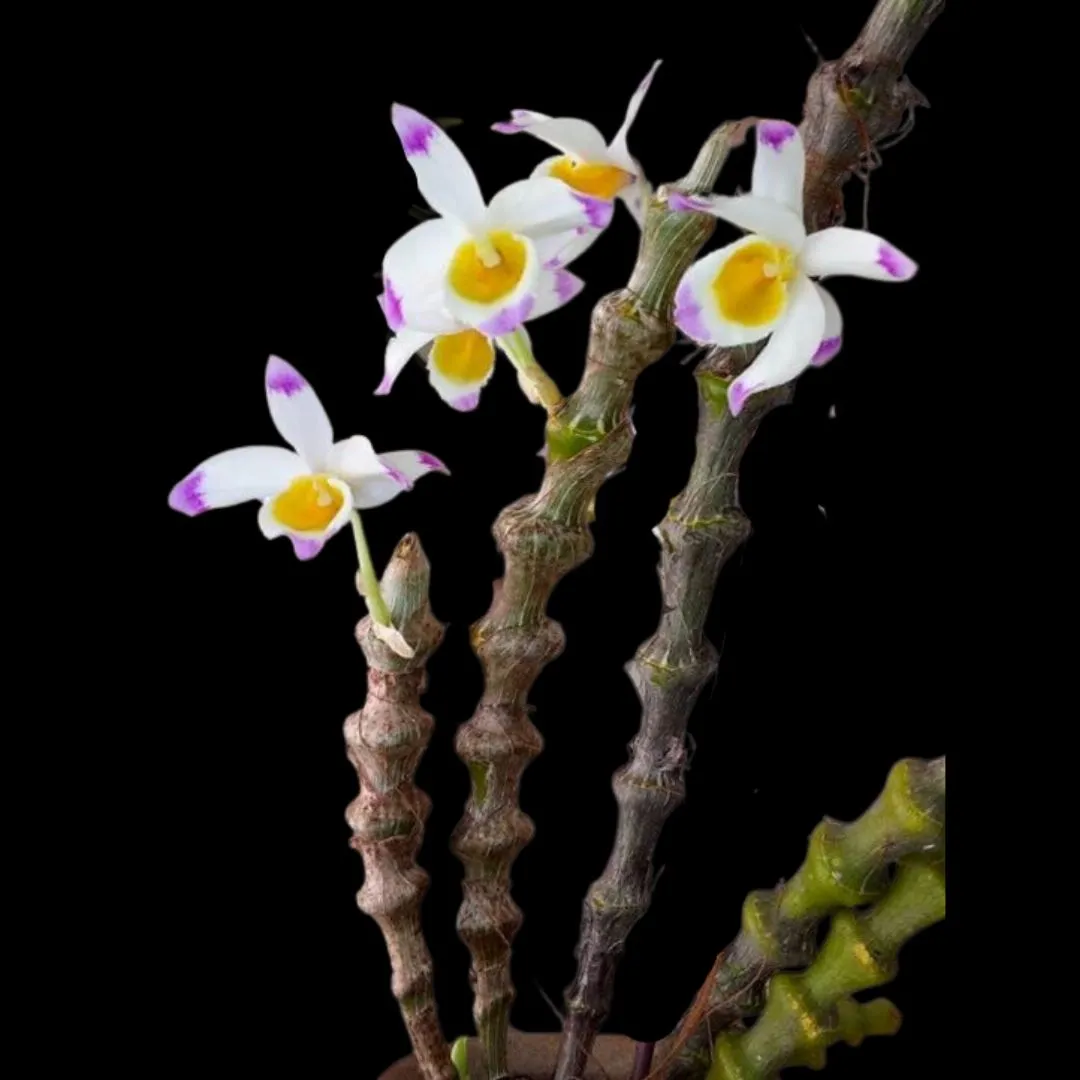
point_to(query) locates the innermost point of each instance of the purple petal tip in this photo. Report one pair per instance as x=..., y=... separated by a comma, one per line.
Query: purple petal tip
x=510, y=318
x=399, y=478
x=507, y=127
x=736, y=397
x=187, y=497
x=430, y=461
x=775, y=133
x=598, y=211
x=466, y=403
x=678, y=201
x=828, y=348
x=895, y=263
x=415, y=131
x=383, y=388
x=688, y=314
x=306, y=549
x=567, y=286
x=390, y=302
x=283, y=378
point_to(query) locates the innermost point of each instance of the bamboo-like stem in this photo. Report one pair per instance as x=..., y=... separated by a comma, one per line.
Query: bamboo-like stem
x=806, y=1013
x=851, y=104
x=542, y=537
x=846, y=865
x=385, y=741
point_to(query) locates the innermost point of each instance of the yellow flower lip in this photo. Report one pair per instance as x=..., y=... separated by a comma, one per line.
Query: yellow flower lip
x=750, y=288
x=602, y=181
x=466, y=357
x=487, y=270
x=309, y=503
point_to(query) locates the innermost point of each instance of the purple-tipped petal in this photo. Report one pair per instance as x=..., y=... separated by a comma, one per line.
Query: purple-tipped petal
x=430, y=461
x=415, y=131
x=187, y=496
x=567, y=286
x=282, y=378
x=598, y=211
x=776, y=133
x=679, y=201
x=306, y=549
x=828, y=348
x=507, y=127
x=737, y=394
x=390, y=302
x=509, y=318
x=466, y=403
x=384, y=387
x=895, y=263
x=398, y=477
x=688, y=314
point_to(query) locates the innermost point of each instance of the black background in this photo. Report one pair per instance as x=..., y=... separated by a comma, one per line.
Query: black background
x=269, y=183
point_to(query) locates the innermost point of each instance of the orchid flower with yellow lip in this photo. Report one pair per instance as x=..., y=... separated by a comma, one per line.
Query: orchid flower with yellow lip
x=587, y=163
x=761, y=284
x=461, y=360
x=478, y=265
x=310, y=492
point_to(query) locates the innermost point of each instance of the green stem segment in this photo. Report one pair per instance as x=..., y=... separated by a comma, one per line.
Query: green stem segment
x=539, y=387
x=846, y=865
x=807, y=1013
x=368, y=578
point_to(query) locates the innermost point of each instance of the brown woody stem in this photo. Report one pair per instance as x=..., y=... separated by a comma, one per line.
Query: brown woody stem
x=851, y=104
x=385, y=741
x=542, y=537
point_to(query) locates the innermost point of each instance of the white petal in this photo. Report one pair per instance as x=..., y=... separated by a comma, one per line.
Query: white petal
x=833, y=336
x=406, y=467
x=854, y=253
x=506, y=314
x=554, y=288
x=636, y=196
x=400, y=349
x=779, y=164
x=307, y=544
x=544, y=206
x=235, y=476
x=790, y=349
x=766, y=217
x=562, y=249
x=354, y=459
x=414, y=275
x=697, y=312
x=578, y=138
x=618, y=151
x=298, y=413
x=444, y=177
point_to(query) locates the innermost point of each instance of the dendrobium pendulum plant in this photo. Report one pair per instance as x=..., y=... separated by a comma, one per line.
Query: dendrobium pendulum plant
x=456, y=291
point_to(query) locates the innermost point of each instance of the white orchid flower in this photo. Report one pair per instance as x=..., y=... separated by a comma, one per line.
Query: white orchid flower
x=760, y=285
x=459, y=359
x=310, y=492
x=479, y=265
x=587, y=163
x=307, y=493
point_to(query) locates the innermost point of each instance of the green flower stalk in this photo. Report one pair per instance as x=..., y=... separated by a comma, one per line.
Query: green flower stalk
x=807, y=1013
x=846, y=865
x=385, y=741
x=542, y=537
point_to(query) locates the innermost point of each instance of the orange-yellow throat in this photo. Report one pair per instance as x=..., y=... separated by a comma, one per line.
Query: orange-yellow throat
x=600, y=181
x=751, y=286
x=308, y=504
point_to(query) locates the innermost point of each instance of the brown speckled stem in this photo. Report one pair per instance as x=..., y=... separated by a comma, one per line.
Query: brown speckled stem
x=542, y=537
x=385, y=741
x=851, y=104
